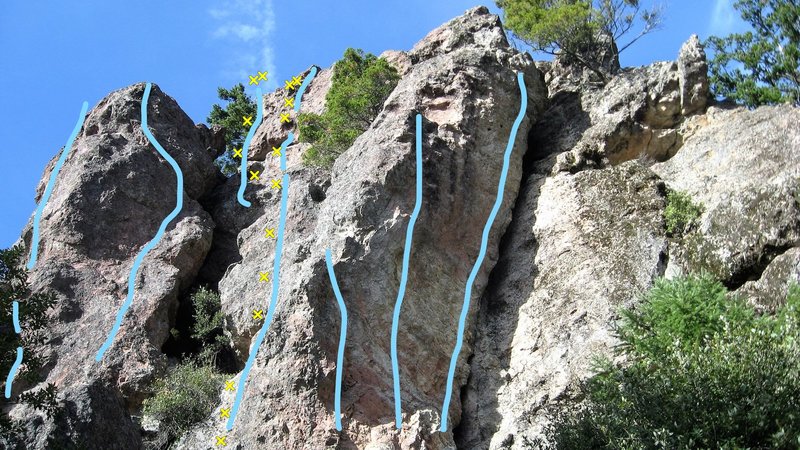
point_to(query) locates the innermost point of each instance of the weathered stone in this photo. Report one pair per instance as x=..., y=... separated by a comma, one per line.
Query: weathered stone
x=578, y=248
x=742, y=167
x=108, y=201
x=362, y=217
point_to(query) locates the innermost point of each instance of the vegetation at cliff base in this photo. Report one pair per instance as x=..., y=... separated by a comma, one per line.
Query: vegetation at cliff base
x=361, y=83
x=760, y=66
x=33, y=323
x=702, y=370
x=239, y=104
x=577, y=28
x=185, y=396
x=681, y=213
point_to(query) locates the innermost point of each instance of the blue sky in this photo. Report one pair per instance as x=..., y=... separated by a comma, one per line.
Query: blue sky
x=55, y=57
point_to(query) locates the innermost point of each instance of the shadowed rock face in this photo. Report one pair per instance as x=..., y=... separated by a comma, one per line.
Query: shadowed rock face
x=580, y=233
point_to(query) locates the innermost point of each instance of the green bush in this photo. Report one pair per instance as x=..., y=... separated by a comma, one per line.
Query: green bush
x=681, y=213
x=186, y=396
x=208, y=325
x=361, y=83
x=702, y=370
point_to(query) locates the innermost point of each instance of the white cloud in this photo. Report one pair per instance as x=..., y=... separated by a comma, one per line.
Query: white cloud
x=723, y=18
x=247, y=27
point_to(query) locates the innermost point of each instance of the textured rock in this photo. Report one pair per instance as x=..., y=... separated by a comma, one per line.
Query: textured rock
x=109, y=199
x=361, y=214
x=272, y=132
x=578, y=248
x=637, y=114
x=742, y=167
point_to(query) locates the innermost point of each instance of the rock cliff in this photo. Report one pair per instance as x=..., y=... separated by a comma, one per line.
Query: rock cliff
x=579, y=234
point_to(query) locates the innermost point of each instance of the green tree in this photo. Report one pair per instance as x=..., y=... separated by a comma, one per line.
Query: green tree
x=577, y=28
x=239, y=105
x=761, y=66
x=702, y=370
x=33, y=324
x=361, y=83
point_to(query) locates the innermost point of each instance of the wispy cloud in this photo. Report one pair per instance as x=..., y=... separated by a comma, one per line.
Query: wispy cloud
x=724, y=18
x=247, y=27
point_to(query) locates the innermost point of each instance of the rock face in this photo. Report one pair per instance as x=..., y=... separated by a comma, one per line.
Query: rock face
x=109, y=200
x=580, y=233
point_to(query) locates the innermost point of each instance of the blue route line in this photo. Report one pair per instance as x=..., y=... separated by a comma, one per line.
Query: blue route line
x=246, y=148
x=15, y=367
x=150, y=245
x=398, y=415
x=13, y=372
x=15, y=316
x=276, y=270
x=484, y=243
x=37, y=216
x=337, y=400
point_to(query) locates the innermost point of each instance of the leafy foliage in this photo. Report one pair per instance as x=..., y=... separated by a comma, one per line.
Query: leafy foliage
x=681, y=213
x=575, y=27
x=183, y=398
x=239, y=105
x=762, y=66
x=33, y=323
x=361, y=83
x=208, y=325
x=703, y=370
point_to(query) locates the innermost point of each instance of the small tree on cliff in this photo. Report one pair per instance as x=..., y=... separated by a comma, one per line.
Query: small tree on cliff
x=361, y=83
x=33, y=323
x=239, y=104
x=762, y=66
x=575, y=28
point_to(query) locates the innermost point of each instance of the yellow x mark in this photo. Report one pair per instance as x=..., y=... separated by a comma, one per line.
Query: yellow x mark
x=263, y=276
x=262, y=76
x=224, y=412
x=253, y=80
x=248, y=120
x=296, y=81
x=229, y=386
x=237, y=152
x=285, y=118
x=258, y=314
x=288, y=85
x=276, y=151
x=288, y=102
x=269, y=233
x=221, y=441
x=276, y=184
x=254, y=175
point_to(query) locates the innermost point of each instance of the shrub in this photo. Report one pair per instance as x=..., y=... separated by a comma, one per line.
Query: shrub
x=681, y=213
x=762, y=66
x=702, y=370
x=184, y=397
x=208, y=327
x=576, y=27
x=361, y=83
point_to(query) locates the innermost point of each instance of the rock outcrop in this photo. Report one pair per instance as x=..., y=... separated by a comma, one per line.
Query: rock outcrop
x=110, y=198
x=580, y=234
